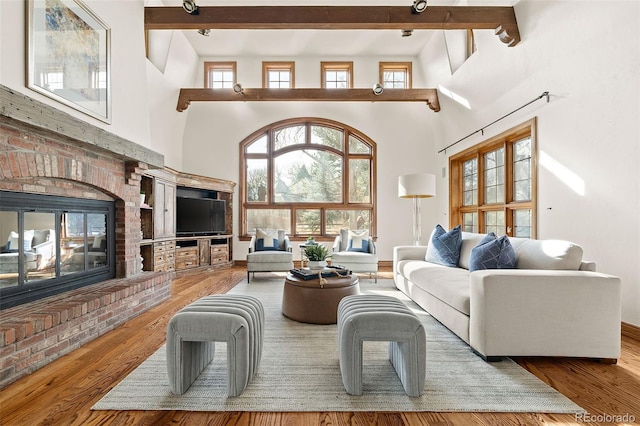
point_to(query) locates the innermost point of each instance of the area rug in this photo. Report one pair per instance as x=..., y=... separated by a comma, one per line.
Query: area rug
x=300, y=371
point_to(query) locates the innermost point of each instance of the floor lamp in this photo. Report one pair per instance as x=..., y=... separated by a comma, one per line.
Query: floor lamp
x=417, y=186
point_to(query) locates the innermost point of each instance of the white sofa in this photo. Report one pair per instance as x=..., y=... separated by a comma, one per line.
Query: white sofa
x=552, y=304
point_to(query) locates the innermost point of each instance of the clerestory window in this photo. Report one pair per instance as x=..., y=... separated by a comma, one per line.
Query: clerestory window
x=395, y=75
x=219, y=75
x=336, y=75
x=492, y=185
x=278, y=75
x=311, y=177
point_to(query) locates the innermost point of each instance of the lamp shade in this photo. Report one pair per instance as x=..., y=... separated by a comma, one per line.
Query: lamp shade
x=417, y=185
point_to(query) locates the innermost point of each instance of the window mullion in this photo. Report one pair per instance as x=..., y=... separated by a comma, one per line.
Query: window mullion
x=481, y=197
x=509, y=173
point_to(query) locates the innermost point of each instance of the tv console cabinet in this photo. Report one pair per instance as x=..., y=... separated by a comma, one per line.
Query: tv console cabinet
x=160, y=248
x=208, y=251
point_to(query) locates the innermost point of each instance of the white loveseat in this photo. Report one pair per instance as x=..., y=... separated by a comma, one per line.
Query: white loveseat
x=552, y=304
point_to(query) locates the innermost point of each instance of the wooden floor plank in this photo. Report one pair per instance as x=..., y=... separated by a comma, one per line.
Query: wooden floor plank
x=63, y=392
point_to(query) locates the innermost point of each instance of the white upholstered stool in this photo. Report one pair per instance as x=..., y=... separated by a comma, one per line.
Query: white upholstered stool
x=237, y=320
x=381, y=318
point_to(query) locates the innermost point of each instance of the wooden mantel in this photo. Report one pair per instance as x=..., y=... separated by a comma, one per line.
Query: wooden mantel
x=502, y=19
x=429, y=96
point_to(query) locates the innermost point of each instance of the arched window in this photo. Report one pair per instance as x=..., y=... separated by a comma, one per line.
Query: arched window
x=309, y=176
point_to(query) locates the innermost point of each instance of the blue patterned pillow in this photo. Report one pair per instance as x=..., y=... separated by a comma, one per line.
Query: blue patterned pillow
x=444, y=247
x=492, y=253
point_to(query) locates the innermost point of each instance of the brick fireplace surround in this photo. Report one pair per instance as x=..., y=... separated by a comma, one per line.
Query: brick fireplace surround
x=39, y=161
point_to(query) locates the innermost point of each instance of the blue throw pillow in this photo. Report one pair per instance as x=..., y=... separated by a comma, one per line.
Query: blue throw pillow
x=444, y=247
x=261, y=247
x=358, y=244
x=492, y=253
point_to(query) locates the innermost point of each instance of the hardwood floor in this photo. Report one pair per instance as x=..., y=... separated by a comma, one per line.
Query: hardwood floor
x=63, y=392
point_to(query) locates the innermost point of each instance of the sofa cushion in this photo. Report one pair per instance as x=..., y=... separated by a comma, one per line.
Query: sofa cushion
x=546, y=254
x=444, y=247
x=469, y=241
x=450, y=285
x=353, y=257
x=492, y=253
x=274, y=256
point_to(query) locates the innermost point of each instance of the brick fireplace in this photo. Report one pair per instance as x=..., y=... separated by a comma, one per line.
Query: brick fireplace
x=36, y=160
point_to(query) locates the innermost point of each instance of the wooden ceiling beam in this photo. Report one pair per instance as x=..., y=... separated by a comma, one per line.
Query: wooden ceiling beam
x=429, y=96
x=502, y=19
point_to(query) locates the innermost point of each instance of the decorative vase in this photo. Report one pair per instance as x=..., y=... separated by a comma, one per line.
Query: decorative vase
x=142, y=197
x=316, y=265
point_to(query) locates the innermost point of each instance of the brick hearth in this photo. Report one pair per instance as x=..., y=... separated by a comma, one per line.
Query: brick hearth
x=35, y=334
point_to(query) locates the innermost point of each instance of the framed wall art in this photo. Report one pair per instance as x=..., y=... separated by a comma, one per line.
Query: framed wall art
x=68, y=55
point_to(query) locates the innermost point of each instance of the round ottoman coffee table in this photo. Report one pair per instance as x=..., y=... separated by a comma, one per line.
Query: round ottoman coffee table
x=308, y=301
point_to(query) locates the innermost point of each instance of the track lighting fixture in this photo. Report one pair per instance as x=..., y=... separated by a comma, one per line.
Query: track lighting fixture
x=419, y=6
x=190, y=7
x=204, y=32
x=407, y=33
x=237, y=89
x=378, y=89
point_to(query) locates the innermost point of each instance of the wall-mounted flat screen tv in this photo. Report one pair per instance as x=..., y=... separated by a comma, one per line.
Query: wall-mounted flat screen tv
x=200, y=216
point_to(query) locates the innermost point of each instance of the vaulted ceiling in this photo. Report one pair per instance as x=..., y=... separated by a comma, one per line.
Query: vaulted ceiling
x=359, y=28
x=304, y=28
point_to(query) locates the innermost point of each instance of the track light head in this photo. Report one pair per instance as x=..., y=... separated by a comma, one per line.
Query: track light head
x=407, y=33
x=419, y=6
x=190, y=7
x=378, y=89
x=204, y=32
x=237, y=89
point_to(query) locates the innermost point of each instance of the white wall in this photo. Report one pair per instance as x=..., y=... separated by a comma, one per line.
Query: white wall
x=586, y=55
x=130, y=117
x=401, y=132
x=179, y=70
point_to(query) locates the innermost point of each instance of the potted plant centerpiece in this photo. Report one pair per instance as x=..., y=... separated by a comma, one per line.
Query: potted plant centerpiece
x=316, y=255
